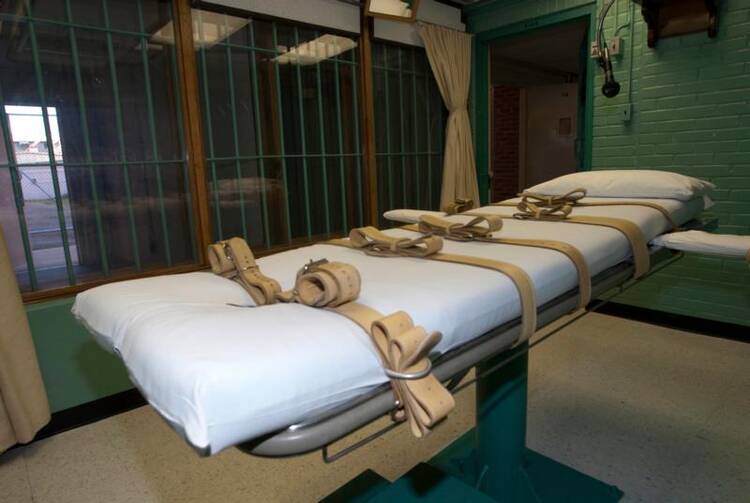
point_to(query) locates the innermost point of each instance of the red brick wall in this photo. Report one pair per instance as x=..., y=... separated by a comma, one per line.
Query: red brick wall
x=505, y=130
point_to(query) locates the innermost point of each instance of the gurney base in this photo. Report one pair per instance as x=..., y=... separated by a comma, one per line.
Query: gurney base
x=490, y=462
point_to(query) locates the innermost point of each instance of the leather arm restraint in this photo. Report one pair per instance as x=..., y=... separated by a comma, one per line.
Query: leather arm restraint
x=558, y=209
x=403, y=347
x=473, y=231
x=459, y=206
x=376, y=243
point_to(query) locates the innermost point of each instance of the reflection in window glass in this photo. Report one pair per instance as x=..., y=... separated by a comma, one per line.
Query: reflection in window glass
x=409, y=124
x=93, y=179
x=281, y=124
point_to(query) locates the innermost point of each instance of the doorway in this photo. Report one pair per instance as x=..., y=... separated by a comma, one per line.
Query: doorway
x=538, y=87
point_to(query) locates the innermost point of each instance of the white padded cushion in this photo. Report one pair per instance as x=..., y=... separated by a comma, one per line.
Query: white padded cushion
x=728, y=245
x=628, y=183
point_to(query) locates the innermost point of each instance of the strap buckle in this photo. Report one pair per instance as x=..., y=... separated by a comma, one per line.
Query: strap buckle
x=312, y=265
x=410, y=376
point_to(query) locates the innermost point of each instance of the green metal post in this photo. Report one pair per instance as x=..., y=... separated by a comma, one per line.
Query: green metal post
x=358, y=144
x=181, y=140
x=501, y=426
x=341, y=145
x=121, y=135
x=86, y=139
x=152, y=131
x=402, y=127
x=50, y=148
x=324, y=159
x=218, y=230
x=416, y=129
x=17, y=194
x=235, y=135
x=259, y=138
x=388, y=133
x=428, y=100
x=281, y=140
x=303, y=139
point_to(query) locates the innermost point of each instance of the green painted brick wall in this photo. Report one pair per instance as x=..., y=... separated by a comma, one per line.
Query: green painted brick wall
x=690, y=114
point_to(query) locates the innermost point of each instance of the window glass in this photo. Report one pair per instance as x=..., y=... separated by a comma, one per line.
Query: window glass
x=409, y=124
x=281, y=124
x=93, y=179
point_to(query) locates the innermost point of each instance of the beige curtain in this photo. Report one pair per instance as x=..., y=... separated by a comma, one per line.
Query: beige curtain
x=23, y=401
x=449, y=52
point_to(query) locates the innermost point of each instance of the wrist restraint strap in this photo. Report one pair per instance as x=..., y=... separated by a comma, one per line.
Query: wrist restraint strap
x=376, y=243
x=558, y=208
x=403, y=348
x=474, y=231
x=233, y=259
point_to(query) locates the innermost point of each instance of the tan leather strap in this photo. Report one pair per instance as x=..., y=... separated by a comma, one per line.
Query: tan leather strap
x=473, y=231
x=459, y=205
x=403, y=348
x=233, y=259
x=517, y=275
x=560, y=206
x=647, y=204
x=377, y=243
x=429, y=224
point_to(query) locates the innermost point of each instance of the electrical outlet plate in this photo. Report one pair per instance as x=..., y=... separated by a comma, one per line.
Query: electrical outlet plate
x=626, y=112
x=615, y=46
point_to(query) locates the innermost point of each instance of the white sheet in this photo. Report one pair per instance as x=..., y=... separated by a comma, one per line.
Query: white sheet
x=223, y=374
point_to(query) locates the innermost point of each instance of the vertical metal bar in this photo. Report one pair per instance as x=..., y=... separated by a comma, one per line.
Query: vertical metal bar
x=357, y=139
x=387, y=126
x=17, y=194
x=337, y=86
x=181, y=139
x=414, y=123
x=323, y=159
x=86, y=139
x=281, y=138
x=259, y=138
x=301, y=105
x=428, y=99
x=50, y=147
x=235, y=135
x=121, y=135
x=401, y=120
x=219, y=231
x=152, y=131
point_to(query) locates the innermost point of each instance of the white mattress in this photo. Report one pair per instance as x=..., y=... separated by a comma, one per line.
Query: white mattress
x=222, y=375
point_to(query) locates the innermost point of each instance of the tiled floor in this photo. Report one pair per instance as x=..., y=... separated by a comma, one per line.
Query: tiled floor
x=662, y=414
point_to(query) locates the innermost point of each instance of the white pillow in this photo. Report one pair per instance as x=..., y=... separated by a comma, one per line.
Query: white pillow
x=728, y=245
x=409, y=216
x=643, y=183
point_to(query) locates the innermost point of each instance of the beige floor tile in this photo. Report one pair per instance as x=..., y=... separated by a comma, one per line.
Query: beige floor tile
x=14, y=481
x=135, y=457
x=660, y=413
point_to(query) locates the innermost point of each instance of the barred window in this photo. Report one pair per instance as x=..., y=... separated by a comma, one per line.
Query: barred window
x=409, y=124
x=93, y=179
x=281, y=124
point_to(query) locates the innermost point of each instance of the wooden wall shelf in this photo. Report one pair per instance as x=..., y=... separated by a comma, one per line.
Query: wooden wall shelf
x=669, y=18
